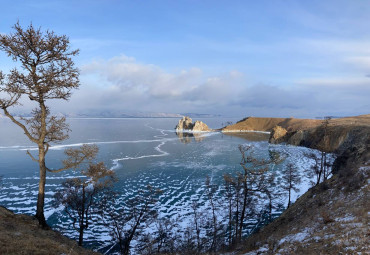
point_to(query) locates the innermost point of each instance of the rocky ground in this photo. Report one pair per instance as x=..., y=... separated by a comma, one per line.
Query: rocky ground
x=21, y=234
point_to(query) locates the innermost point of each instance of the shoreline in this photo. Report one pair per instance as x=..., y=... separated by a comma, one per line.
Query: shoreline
x=245, y=131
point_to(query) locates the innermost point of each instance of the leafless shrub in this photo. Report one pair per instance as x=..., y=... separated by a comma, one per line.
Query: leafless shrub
x=326, y=217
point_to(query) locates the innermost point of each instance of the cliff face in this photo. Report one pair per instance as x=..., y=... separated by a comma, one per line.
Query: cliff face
x=337, y=136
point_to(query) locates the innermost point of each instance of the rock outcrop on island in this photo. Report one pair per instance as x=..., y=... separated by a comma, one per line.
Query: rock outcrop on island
x=186, y=125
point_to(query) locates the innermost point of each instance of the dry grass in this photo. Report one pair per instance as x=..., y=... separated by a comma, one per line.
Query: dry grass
x=267, y=124
x=293, y=124
x=21, y=234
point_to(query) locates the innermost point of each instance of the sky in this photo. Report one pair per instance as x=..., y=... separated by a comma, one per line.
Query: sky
x=276, y=58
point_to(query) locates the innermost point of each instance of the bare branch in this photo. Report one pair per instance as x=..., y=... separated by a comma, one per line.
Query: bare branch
x=32, y=157
x=76, y=157
x=21, y=126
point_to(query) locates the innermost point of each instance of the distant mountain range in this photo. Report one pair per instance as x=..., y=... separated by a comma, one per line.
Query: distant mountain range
x=115, y=114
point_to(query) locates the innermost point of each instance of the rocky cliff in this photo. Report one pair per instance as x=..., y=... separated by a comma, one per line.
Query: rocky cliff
x=186, y=124
x=336, y=135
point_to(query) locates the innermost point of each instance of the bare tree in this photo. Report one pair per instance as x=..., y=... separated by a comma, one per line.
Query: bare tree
x=81, y=197
x=315, y=169
x=290, y=179
x=234, y=192
x=271, y=192
x=126, y=223
x=321, y=169
x=229, y=194
x=324, y=147
x=46, y=72
x=213, y=222
x=197, y=219
x=162, y=240
x=253, y=181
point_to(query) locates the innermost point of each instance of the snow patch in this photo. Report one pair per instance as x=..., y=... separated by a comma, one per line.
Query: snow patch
x=259, y=251
x=299, y=237
x=345, y=219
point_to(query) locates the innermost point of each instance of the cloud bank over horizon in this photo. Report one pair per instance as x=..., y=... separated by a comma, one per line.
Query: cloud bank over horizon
x=123, y=84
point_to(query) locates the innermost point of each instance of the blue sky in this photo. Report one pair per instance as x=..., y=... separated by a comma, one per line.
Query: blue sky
x=236, y=58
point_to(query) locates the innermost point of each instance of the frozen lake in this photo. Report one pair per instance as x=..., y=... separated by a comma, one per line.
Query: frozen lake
x=141, y=152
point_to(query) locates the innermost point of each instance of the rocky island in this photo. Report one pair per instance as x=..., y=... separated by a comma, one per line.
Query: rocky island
x=186, y=125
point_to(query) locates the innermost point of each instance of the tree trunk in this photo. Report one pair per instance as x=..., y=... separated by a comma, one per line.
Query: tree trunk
x=81, y=236
x=230, y=222
x=41, y=196
x=321, y=168
x=213, y=245
x=325, y=167
x=244, y=207
x=270, y=207
x=132, y=233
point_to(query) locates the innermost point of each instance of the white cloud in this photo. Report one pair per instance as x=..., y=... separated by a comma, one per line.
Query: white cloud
x=337, y=82
x=124, y=84
x=127, y=80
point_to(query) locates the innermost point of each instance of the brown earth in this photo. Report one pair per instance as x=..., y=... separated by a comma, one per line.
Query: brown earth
x=21, y=234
